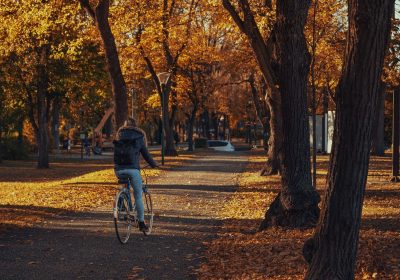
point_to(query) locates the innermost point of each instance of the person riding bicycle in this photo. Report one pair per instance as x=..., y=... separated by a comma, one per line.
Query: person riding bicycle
x=130, y=142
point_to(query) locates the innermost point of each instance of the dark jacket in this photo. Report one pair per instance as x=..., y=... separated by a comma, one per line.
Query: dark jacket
x=136, y=134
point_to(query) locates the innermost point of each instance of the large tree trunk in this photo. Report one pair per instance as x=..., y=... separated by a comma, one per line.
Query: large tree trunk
x=378, y=141
x=332, y=250
x=297, y=203
x=113, y=65
x=100, y=16
x=42, y=84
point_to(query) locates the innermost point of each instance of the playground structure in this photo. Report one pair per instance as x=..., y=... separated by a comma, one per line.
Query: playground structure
x=98, y=138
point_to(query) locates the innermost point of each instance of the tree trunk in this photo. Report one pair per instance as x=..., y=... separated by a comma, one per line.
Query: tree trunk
x=20, y=129
x=42, y=84
x=190, y=125
x=100, y=16
x=55, y=122
x=263, y=55
x=168, y=132
x=1, y=141
x=297, y=203
x=214, y=118
x=332, y=250
x=271, y=167
x=207, y=123
x=190, y=136
x=378, y=141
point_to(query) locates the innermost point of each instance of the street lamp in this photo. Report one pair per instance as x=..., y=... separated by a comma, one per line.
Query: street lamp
x=222, y=125
x=163, y=79
x=134, y=104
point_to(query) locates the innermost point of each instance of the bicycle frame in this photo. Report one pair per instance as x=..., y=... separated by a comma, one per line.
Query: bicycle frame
x=128, y=186
x=126, y=189
x=131, y=219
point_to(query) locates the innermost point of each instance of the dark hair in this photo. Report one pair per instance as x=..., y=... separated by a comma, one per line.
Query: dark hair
x=130, y=122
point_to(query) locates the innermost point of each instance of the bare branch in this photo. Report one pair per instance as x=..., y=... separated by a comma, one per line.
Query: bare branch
x=234, y=14
x=86, y=5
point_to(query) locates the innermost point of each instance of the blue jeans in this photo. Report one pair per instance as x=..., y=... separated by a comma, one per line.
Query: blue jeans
x=136, y=181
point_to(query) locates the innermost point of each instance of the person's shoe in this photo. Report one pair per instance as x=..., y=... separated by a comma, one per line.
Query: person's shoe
x=143, y=227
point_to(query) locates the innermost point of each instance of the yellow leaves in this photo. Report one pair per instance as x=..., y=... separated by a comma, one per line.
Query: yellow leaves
x=241, y=253
x=153, y=101
x=36, y=23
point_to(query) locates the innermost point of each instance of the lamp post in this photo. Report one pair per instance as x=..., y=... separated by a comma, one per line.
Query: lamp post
x=163, y=79
x=221, y=122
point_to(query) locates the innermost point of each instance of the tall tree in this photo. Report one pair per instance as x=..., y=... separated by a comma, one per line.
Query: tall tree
x=260, y=106
x=332, y=250
x=297, y=203
x=170, y=24
x=32, y=43
x=263, y=52
x=42, y=92
x=100, y=13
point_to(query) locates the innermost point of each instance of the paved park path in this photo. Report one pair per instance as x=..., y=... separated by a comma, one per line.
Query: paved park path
x=84, y=246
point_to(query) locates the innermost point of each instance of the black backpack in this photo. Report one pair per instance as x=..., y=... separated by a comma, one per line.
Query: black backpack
x=124, y=151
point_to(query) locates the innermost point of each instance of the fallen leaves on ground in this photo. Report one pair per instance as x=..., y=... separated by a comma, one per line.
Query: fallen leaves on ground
x=29, y=195
x=240, y=252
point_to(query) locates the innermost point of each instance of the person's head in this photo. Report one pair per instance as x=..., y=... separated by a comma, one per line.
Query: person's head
x=130, y=122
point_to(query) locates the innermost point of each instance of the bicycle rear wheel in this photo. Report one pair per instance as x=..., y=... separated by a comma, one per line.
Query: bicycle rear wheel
x=122, y=217
x=148, y=211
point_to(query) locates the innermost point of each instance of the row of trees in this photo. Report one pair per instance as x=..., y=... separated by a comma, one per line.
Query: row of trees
x=284, y=60
x=55, y=59
x=66, y=63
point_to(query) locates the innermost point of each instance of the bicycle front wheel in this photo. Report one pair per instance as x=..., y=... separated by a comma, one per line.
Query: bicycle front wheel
x=122, y=217
x=148, y=211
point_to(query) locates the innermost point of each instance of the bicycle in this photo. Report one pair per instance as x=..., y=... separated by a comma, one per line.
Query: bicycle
x=124, y=210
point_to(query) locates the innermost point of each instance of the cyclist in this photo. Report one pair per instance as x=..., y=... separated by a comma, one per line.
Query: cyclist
x=130, y=142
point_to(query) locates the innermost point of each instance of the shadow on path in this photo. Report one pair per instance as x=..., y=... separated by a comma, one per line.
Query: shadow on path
x=83, y=245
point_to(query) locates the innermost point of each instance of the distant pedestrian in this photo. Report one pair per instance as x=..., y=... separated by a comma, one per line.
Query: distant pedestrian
x=68, y=144
x=86, y=145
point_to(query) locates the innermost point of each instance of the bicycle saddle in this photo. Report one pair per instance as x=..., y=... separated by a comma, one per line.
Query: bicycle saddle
x=124, y=179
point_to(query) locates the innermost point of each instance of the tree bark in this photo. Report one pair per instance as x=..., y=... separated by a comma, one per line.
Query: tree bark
x=263, y=55
x=271, y=167
x=297, y=203
x=164, y=92
x=100, y=16
x=191, y=118
x=378, y=143
x=168, y=131
x=42, y=87
x=332, y=250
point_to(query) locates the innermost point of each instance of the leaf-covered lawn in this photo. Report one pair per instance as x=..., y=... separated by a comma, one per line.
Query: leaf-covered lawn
x=29, y=195
x=242, y=253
